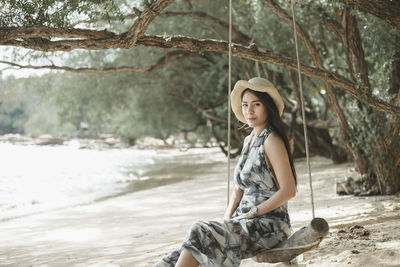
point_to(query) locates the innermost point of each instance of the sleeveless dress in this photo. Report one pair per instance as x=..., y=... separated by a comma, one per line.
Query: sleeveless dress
x=226, y=242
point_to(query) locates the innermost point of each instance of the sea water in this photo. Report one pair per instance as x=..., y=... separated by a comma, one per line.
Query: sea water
x=41, y=178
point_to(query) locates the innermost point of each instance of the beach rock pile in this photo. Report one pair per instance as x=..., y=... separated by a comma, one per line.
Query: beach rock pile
x=104, y=141
x=41, y=140
x=359, y=187
x=47, y=139
x=354, y=232
x=16, y=138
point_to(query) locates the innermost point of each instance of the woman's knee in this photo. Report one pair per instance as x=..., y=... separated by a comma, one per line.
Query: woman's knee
x=198, y=225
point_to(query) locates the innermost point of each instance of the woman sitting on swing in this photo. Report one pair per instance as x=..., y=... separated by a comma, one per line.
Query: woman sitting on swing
x=256, y=218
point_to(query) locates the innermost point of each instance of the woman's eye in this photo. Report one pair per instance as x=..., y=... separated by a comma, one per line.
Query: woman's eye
x=244, y=105
x=257, y=104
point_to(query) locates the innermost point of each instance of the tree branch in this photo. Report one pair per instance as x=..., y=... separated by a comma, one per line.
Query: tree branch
x=386, y=10
x=312, y=50
x=252, y=53
x=202, y=45
x=160, y=63
x=319, y=124
x=197, y=107
x=14, y=33
x=220, y=141
x=337, y=28
x=128, y=16
x=126, y=39
x=140, y=25
x=197, y=15
x=205, y=16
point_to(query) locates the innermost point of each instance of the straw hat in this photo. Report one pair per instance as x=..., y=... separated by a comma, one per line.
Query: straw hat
x=256, y=84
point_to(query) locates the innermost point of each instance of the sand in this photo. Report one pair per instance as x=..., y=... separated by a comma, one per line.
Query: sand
x=137, y=229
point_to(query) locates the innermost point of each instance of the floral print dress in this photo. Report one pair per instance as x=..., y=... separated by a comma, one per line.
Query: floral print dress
x=226, y=242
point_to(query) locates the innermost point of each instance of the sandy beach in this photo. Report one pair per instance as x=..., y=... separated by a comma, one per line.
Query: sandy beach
x=137, y=229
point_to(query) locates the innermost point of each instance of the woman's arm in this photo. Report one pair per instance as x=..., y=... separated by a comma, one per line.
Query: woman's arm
x=278, y=158
x=275, y=152
x=237, y=194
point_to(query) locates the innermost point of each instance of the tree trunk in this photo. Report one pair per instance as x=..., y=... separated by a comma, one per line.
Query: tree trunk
x=388, y=168
x=386, y=10
x=313, y=51
x=350, y=36
x=355, y=54
x=378, y=160
x=320, y=143
x=376, y=153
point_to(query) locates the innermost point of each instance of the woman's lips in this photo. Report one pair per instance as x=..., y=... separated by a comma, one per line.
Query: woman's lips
x=251, y=119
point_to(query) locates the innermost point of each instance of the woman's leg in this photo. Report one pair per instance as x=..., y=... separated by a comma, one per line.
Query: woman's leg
x=186, y=260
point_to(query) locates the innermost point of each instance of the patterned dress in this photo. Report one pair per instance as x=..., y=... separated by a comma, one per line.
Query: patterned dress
x=226, y=242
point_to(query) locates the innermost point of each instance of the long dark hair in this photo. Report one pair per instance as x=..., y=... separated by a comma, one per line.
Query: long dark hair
x=274, y=120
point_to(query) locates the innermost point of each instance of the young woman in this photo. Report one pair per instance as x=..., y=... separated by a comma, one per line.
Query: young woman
x=256, y=218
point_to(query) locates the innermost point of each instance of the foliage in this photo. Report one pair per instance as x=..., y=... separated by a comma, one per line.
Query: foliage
x=14, y=106
x=46, y=121
x=12, y=116
x=26, y=109
x=183, y=95
x=54, y=13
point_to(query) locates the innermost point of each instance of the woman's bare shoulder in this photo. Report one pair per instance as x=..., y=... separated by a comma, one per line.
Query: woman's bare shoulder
x=273, y=143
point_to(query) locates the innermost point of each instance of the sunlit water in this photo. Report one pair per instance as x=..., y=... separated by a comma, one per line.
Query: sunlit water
x=40, y=178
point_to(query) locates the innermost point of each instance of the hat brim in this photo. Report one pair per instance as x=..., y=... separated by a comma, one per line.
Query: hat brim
x=241, y=85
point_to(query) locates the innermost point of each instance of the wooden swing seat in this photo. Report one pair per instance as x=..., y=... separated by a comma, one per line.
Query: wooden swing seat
x=301, y=241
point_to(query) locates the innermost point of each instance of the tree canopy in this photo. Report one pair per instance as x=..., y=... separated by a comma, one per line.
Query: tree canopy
x=158, y=67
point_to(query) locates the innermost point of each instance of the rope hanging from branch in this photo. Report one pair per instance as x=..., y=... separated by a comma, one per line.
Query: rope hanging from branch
x=293, y=3
x=229, y=97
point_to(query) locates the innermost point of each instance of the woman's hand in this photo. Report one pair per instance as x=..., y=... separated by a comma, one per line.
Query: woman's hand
x=227, y=216
x=233, y=202
x=247, y=215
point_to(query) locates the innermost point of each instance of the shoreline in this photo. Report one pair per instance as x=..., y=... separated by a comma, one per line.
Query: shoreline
x=104, y=141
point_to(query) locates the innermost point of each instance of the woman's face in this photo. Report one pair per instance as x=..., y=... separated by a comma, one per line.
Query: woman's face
x=254, y=110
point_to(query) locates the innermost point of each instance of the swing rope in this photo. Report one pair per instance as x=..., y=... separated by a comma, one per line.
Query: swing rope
x=293, y=3
x=229, y=98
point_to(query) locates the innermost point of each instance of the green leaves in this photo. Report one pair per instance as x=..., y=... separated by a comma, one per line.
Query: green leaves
x=55, y=13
